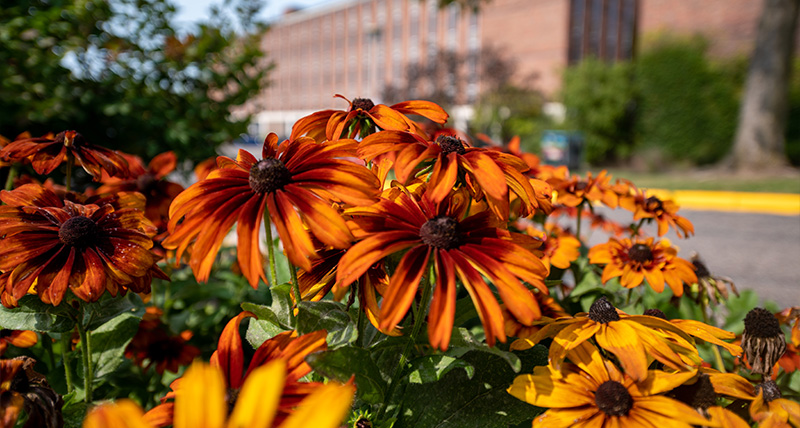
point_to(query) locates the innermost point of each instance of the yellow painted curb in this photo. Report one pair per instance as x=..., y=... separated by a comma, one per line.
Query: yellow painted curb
x=763, y=203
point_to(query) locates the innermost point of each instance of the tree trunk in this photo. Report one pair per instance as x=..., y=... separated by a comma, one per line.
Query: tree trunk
x=760, y=136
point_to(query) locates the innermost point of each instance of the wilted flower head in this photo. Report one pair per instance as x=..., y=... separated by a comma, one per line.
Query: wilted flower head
x=762, y=340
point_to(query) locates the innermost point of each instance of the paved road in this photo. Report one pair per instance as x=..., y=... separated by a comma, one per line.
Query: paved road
x=758, y=251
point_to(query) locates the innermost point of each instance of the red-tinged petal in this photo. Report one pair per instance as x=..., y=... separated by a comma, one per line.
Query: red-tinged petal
x=485, y=303
x=248, y=233
x=385, y=142
x=426, y=109
x=229, y=355
x=245, y=159
x=23, y=339
x=403, y=286
x=324, y=221
x=161, y=415
x=296, y=240
x=312, y=125
x=270, y=146
x=443, y=177
x=163, y=164
x=89, y=278
x=361, y=256
x=336, y=124
x=409, y=158
x=31, y=194
x=48, y=158
x=291, y=349
x=210, y=239
x=58, y=285
x=486, y=172
x=443, y=305
x=389, y=119
x=128, y=257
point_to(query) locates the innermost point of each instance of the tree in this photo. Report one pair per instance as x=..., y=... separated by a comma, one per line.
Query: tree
x=760, y=138
x=121, y=74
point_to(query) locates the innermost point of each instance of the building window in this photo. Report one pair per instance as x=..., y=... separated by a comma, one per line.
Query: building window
x=603, y=29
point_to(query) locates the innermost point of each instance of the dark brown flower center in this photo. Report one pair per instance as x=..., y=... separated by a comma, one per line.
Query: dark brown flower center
x=699, y=395
x=269, y=175
x=363, y=423
x=581, y=185
x=656, y=313
x=79, y=231
x=640, y=253
x=771, y=390
x=603, y=311
x=700, y=268
x=440, y=232
x=231, y=397
x=450, y=144
x=653, y=204
x=613, y=398
x=365, y=104
x=760, y=322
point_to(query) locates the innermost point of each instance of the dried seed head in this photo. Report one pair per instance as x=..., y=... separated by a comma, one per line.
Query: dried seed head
x=365, y=104
x=763, y=341
x=450, y=144
x=613, y=398
x=603, y=311
x=771, y=390
x=79, y=232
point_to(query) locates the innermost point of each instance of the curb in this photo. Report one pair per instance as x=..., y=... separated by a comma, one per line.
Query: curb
x=785, y=204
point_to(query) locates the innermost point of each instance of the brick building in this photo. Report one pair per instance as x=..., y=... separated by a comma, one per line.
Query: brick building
x=361, y=48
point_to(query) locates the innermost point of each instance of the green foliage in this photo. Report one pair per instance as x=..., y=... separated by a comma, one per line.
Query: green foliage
x=509, y=111
x=34, y=315
x=689, y=106
x=121, y=74
x=601, y=101
x=793, y=121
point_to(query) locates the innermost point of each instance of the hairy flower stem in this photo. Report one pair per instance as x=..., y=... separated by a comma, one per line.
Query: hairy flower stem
x=360, y=323
x=270, y=249
x=66, y=343
x=423, y=303
x=295, y=285
x=86, y=352
x=70, y=164
x=714, y=348
x=12, y=174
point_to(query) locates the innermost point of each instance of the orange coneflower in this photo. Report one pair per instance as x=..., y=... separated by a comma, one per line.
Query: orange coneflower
x=592, y=392
x=204, y=402
x=48, y=152
x=296, y=181
x=701, y=331
x=468, y=248
x=549, y=308
x=363, y=116
x=86, y=248
x=154, y=345
x=769, y=409
x=663, y=211
x=230, y=359
x=634, y=261
x=634, y=339
x=452, y=164
x=18, y=338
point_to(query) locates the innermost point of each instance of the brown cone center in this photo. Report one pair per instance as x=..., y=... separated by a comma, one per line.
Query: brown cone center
x=269, y=175
x=603, y=311
x=365, y=104
x=78, y=231
x=440, y=232
x=450, y=144
x=613, y=398
x=771, y=390
x=760, y=322
x=640, y=253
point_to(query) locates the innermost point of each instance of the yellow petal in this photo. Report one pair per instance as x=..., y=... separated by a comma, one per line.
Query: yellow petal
x=200, y=401
x=122, y=414
x=621, y=340
x=324, y=408
x=259, y=397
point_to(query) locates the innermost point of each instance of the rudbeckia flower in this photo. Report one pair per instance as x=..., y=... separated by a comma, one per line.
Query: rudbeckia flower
x=153, y=345
x=362, y=117
x=634, y=339
x=48, y=152
x=702, y=331
x=485, y=173
x=591, y=392
x=60, y=244
x=700, y=395
x=18, y=338
x=559, y=247
x=204, y=402
x=468, y=248
x=230, y=359
x=769, y=409
x=296, y=182
x=549, y=308
x=664, y=212
x=634, y=261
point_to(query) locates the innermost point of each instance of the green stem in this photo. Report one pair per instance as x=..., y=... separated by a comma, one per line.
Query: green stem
x=360, y=323
x=295, y=284
x=70, y=164
x=12, y=174
x=66, y=343
x=635, y=229
x=578, y=221
x=270, y=249
x=423, y=303
x=628, y=299
x=86, y=352
x=47, y=343
x=714, y=348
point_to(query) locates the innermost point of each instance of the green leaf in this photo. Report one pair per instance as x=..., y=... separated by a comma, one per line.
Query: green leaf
x=98, y=313
x=34, y=315
x=74, y=410
x=344, y=362
x=329, y=316
x=259, y=331
x=462, y=342
x=279, y=312
x=459, y=400
x=108, y=344
x=431, y=368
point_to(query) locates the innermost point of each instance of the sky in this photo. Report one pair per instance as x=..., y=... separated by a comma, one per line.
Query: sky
x=190, y=11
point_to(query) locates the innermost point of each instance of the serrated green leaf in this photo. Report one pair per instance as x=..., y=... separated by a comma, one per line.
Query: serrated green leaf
x=259, y=331
x=459, y=401
x=431, y=368
x=344, y=362
x=329, y=316
x=74, y=410
x=98, y=313
x=34, y=315
x=108, y=344
x=279, y=312
x=462, y=342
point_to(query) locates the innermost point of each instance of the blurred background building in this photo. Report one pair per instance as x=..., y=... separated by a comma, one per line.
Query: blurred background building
x=392, y=50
